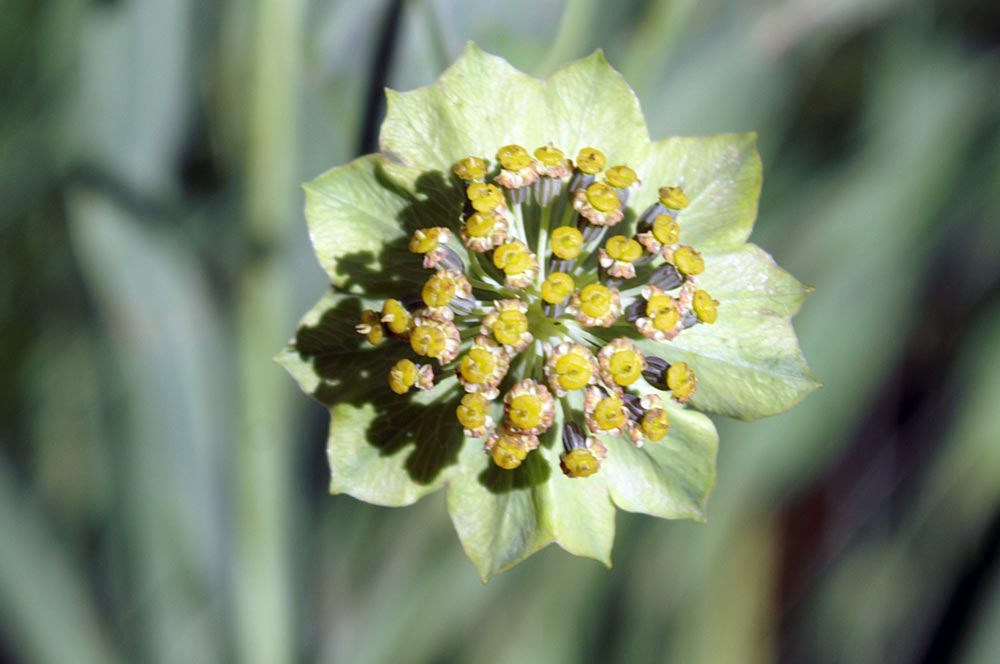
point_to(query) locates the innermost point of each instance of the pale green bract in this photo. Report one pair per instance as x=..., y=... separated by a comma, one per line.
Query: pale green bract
x=392, y=450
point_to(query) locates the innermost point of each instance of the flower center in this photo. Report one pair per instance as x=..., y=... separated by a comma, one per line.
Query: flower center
x=535, y=307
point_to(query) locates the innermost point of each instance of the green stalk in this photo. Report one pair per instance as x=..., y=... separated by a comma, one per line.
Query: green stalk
x=262, y=585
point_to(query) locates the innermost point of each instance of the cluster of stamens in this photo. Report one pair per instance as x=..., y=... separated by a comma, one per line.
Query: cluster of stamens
x=535, y=294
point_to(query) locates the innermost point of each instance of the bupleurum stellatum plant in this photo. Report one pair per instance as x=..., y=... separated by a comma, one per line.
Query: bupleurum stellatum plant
x=532, y=306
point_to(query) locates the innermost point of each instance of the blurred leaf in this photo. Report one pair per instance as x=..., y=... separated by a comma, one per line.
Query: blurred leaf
x=164, y=332
x=48, y=613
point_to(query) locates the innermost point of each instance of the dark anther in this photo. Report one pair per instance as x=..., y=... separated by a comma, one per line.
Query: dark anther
x=580, y=180
x=559, y=265
x=666, y=277
x=622, y=195
x=635, y=311
x=655, y=372
x=634, y=406
x=645, y=221
x=452, y=259
x=519, y=195
x=463, y=305
x=546, y=189
x=689, y=320
x=412, y=302
x=573, y=438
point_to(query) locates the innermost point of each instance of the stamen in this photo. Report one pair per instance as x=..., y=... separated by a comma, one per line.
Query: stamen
x=396, y=317
x=371, y=327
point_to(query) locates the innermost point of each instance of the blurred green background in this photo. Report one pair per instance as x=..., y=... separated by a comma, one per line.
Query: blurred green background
x=163, y=483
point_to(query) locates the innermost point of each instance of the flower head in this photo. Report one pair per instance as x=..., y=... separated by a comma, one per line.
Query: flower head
x=526, y=295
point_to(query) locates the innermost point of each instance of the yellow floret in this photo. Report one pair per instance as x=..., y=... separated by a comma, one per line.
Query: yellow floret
x=596, y=300
x=525, y=411
x=662, y=309
x=621, y=177
x=371, y=327
x=655, y=424
x=439, y=290
x=609, y=413
x=602, y=197
x=425, y=240
x=473, y=411
x=480, y=224
x=590, y=161
x=396, y=317
x=513, y=258
x=549, y=155
x=402, y=376
x=478, y=365
x=573, y=371
x=484, y=197
x=566, y=242
x=626, y=366
x=688, y=261
x=513, y=157
x=557, y=287
x=470, y=169
x=580, y=463
x=666, y=230
x=623, y=248
x=681, y=381
x=509, y=326
x=673, y=197
x=705, y=307
x=428, y=340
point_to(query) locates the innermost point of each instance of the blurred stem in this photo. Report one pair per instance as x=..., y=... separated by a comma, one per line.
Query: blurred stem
x=575, y=26
x=437, y=33
x=262, y=585
x=655, y=38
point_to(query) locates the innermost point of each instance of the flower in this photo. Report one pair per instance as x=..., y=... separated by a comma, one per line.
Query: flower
x=532, y=305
